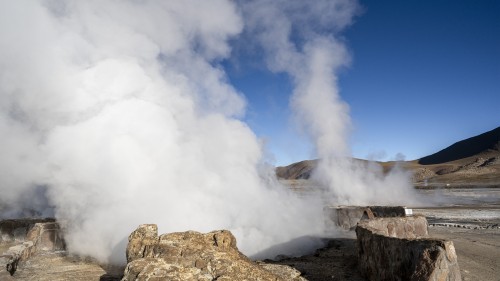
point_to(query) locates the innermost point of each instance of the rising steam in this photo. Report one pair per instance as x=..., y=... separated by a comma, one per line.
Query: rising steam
x=303, y=40
x=118, y=113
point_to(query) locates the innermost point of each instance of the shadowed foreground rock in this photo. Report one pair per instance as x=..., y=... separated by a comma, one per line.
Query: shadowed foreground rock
x=194, y=256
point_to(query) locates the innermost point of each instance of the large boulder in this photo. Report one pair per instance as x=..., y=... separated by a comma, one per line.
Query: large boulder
x=399, y=249
x=192, y=255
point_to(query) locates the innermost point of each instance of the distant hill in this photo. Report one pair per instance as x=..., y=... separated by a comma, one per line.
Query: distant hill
x=299, y=170
x=489, y=141
x=471, y=162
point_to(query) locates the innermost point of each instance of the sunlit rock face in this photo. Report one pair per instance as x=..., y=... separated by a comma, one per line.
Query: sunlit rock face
x=192, y=255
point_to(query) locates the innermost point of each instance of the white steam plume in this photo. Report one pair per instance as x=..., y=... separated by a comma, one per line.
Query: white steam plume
x=303, y=40
x=120, y=114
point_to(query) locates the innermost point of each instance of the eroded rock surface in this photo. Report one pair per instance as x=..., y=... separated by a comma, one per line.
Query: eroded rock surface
x=399, y=249
x=192, y=255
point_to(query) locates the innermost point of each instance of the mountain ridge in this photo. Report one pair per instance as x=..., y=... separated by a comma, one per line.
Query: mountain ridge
x=472, y=161
x=465, y=148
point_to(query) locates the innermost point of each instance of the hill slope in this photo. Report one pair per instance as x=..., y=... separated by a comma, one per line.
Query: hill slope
x=296, y=171
x=471, y=162
x=465, y=148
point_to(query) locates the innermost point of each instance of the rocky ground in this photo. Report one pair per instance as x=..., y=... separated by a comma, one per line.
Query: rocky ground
x=478, y=253
x=468, y=217
x=473, y=229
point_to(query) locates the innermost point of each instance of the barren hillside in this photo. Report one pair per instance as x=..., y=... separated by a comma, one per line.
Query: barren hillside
x=471, y=162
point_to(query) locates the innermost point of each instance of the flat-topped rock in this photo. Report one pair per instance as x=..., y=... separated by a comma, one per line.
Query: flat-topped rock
x=348, y=216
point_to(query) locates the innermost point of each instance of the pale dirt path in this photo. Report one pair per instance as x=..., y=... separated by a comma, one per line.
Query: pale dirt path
x=478, y=251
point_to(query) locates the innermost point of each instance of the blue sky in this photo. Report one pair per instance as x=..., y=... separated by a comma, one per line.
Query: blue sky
x=424, y=74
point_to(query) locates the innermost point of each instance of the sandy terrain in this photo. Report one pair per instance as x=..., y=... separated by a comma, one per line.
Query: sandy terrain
x=478, y=251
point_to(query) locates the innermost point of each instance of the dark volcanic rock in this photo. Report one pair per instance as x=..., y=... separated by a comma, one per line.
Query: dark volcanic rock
x=192, y=255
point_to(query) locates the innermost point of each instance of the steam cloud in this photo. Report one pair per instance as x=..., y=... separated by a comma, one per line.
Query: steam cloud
x=312, y=59
x=118, y=113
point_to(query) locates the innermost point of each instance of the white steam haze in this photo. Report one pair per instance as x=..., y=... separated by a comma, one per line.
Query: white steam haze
x=118, y=113
x=312, y=60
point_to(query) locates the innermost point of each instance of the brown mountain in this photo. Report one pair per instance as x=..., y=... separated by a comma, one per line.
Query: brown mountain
x=471, y=162
x=483, y=143
x=297, y=171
